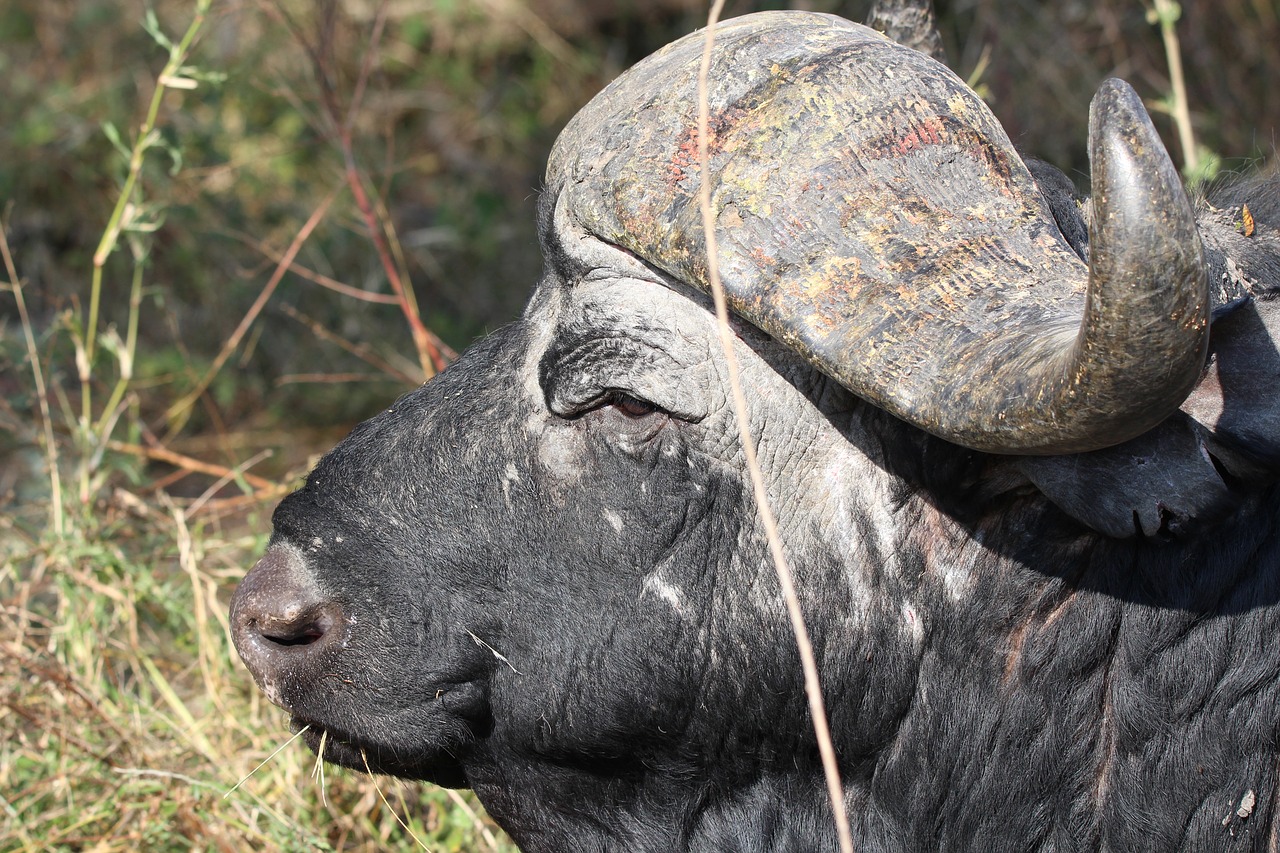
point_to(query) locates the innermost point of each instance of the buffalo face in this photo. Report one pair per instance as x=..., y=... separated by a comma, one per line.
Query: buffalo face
x=547, y=550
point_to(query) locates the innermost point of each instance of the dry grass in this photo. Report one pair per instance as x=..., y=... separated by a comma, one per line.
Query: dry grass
x=126, y=716
x=127, y=721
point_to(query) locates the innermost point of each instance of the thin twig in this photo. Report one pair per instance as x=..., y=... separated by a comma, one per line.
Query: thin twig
x=180, y=411
x=219, y=507
x=812, y=685
x=337, y=378
x=42, y=394
x=366, y=67
x=187, y=559
x=315, y=277
x=523, y=16
x=235, y=473
x=429, y=355
x=360, y=351
x=264, y=761
x=55, y=673
x=383, y=797
x=1167, y=13
x=318, y=770
x=339, y=125
x=187, y=463
x=42, y=723
x=163, y=774
x=115, y=224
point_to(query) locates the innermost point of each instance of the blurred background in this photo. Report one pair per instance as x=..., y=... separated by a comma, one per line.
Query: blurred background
x=462, y=104
x=330, y=198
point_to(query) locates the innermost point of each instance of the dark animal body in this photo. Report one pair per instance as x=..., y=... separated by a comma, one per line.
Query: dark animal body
x=541, y=575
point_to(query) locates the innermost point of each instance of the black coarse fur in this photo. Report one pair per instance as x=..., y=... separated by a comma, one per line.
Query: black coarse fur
x=1080, y=693
x=1089, y=693
x=1002, y=677
x=556, y=593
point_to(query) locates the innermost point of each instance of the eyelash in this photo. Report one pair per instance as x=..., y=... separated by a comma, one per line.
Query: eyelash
x=629, y=406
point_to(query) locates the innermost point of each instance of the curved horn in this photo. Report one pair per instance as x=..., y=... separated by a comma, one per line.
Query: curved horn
x=873, y=215
x=1144, y=334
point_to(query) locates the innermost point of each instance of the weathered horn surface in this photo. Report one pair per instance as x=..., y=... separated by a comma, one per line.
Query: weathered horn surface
x=873, y=215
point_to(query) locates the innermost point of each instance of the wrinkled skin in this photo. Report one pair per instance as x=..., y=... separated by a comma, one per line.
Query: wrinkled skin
x=540, y=576
x=998, y=676
x=601, y=548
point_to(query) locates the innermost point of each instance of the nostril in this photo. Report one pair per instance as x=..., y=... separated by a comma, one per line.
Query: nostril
x=304, y=638
x=307, y=628
x=283, y=624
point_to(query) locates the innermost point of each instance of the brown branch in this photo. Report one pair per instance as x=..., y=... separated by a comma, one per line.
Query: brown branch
x=54, y=673
x=333, y=378
x=42, y=392
x=219, y=507
x=429, y=355
x=533, y=25
x=339, y=126
x=315, y=277
x=62, y=734
x=187, y=463
x=360, y=351
x=366, y=66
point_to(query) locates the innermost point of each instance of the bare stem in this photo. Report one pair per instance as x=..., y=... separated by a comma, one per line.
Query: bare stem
x=341, y=125
x=1167, y=13
x=812, y=684
x=127, y=356
x=110, y=237
x=92, y=437
x=313, y=276
x=360, y=351
x=429, y=356
x=42, y=394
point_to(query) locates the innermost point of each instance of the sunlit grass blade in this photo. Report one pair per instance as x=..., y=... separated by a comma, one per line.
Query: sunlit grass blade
x=265, y=761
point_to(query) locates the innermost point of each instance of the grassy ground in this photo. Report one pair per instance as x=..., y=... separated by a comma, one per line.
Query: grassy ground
x=128, y=720
x=219, y=252
x=139, y=460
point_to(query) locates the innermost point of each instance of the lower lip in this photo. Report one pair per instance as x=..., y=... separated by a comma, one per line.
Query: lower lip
x=311, y=732
x=336, y=750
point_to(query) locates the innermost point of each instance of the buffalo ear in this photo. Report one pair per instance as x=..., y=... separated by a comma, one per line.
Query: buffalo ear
x=1237, y=401
x=1064, y=202
x=1162, y=484
x=1198, y=464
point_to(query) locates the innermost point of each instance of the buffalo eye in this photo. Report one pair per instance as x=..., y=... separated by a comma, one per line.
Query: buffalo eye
x=633, y=420
x=630, y=406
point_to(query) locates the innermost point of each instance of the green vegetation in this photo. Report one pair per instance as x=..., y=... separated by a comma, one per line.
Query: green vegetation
x=231, y=230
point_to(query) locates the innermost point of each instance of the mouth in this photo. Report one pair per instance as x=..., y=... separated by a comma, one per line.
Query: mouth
x=344, y=750
x=336, y=747
x=323, y=741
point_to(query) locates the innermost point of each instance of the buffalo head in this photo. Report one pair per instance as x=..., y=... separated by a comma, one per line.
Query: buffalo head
x=541, y=575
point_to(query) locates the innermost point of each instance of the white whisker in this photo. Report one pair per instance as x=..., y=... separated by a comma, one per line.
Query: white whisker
x=318, y=770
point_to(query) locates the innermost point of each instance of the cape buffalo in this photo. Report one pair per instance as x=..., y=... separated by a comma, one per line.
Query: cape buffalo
x=1028, y=498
